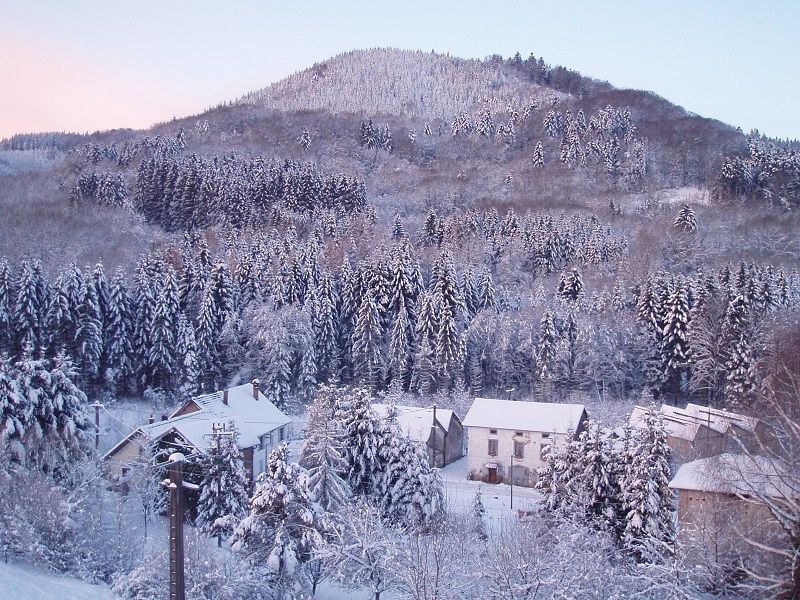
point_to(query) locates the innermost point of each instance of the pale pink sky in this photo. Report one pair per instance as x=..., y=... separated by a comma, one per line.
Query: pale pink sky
x=87, y=65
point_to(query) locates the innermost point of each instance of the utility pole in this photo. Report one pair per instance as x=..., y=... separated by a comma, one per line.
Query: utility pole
x=97, y=407
x=177, y=584
x=511, y=479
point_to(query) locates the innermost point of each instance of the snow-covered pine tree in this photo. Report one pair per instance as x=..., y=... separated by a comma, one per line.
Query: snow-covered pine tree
x=186, y=352
x=368, y=342
x=161, y=353
x=648, y=504
x=686, y=220
x=224, y=499
x=28, y=307
x=72, y=428
x=60, y=320
x=538, y=155
x=89, y=333
x=324, y=326
x=675, y=352
x=547, y=350
x=322, y=454
x=6, y=306
x=305, y=140
x=598, y=487
x=400, y=348
x=449, y=341
x=360, y=439
x=479, y=515
x=426, y=331
x=283, y=525
x=740, y=355
x=570, y=286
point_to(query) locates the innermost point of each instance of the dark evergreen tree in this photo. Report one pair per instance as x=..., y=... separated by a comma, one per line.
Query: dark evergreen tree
x=224, y=499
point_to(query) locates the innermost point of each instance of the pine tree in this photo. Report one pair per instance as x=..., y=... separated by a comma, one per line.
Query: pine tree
x=6, y=306
x=479, y=515
x=740, y=354
x=161, y=353
x=449, y=341
x=426, y=332
x=368, y=343
x=305, y=140
x=223, y=491
x=538, y=155
x=675, y=352
x=547, y=348
x=118, y=333
x=322, y=455
x=400, y=356
x=686, y=220
x=360, y=439
x=186, y=353
x=570, y=286
x=647, y=502
x=29, y=307
x=283, y=525
x=89, y=333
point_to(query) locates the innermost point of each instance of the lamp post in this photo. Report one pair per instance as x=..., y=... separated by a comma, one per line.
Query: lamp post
x=511, y=479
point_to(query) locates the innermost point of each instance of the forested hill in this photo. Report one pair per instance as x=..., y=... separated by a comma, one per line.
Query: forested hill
x=403, y=219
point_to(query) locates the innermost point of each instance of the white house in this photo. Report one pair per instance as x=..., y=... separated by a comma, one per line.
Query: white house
x=439, y=430
x=260, y=424
x=502, y=432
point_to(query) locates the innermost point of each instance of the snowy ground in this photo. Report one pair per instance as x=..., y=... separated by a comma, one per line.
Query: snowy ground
x=460, y=493
x=22, y=582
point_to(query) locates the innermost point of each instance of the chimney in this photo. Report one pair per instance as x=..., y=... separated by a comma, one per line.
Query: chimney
x=225, y=397
x=152, y=419
x=255, y=388
x=164, y=416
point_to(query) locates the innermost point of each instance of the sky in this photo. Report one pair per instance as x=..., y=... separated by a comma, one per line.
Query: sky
x=88, y=65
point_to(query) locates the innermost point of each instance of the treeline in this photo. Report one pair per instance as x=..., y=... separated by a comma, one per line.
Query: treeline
x=769, y=172
x=298, y=311
x=607, y=141
x=193, y=192
x=557, y=77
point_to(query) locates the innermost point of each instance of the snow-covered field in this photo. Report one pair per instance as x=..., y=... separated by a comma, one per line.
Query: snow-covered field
x=460, y=493
x=22, y=582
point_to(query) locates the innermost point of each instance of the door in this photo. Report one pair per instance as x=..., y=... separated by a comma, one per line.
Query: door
x=493, y=475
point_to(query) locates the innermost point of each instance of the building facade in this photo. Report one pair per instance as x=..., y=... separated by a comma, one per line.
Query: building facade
x=508, y=440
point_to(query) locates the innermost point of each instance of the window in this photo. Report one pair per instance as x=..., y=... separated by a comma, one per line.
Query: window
x=493, y=432
x=519, y=450
x=280, y=438
x=545, y=436
x=492, y=447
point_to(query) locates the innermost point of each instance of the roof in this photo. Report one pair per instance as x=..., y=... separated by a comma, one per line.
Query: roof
x=685, y=423
x=733, y=474
x=252, y=418
x=525, y=416
x=416, y=422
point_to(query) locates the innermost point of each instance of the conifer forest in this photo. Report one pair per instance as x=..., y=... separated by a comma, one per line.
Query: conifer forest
x=403, y=228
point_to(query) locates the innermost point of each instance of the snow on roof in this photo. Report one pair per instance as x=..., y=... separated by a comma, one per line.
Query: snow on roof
x=679, y=426
x=722, y=419
x=524, y=416
x=684, y=423
x=733, y=474
x=415, y=421
x=252, y=418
